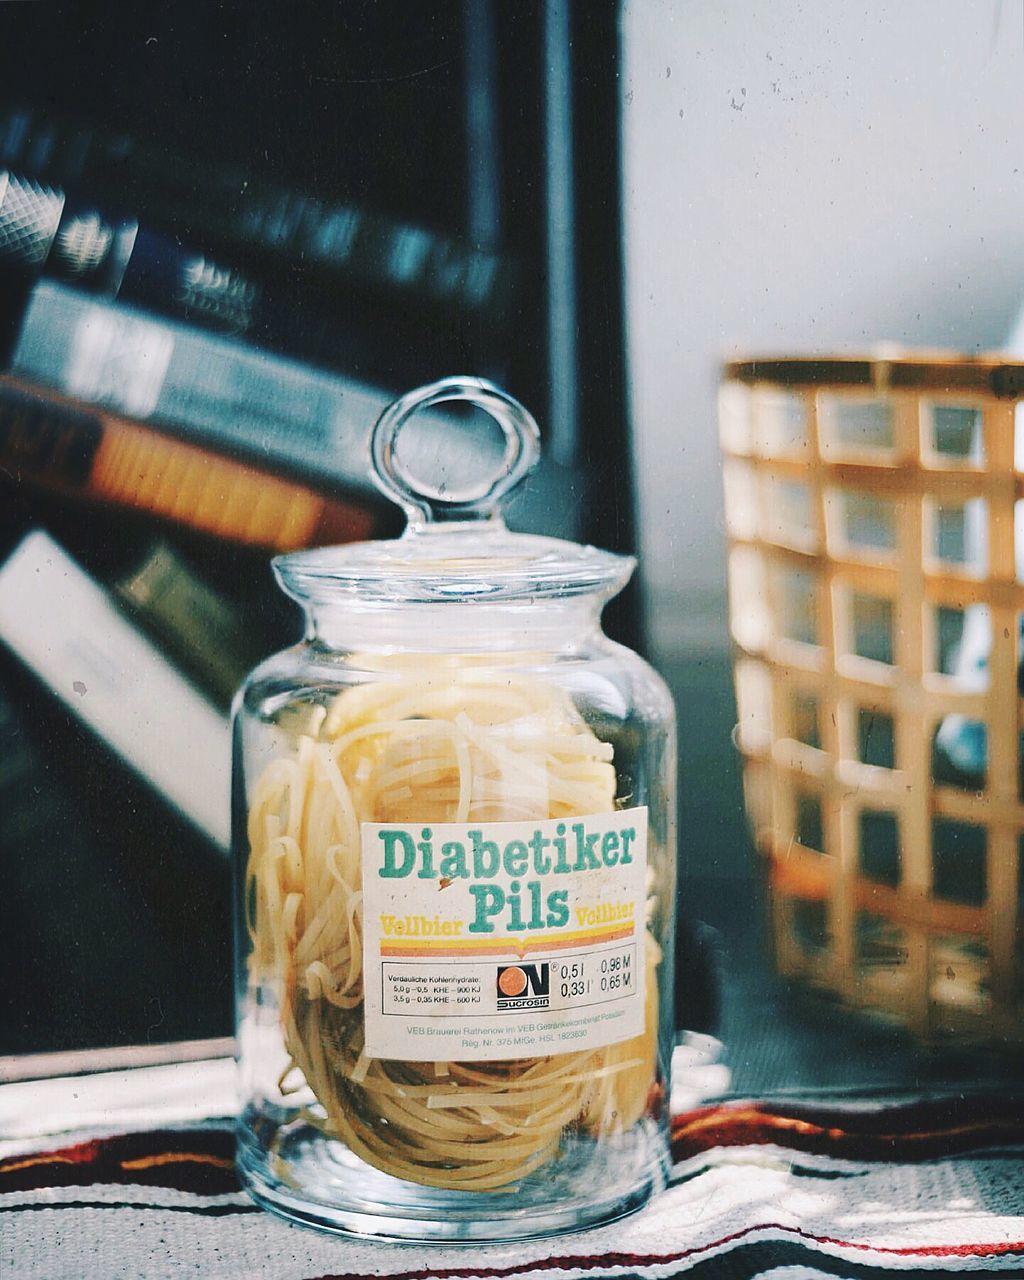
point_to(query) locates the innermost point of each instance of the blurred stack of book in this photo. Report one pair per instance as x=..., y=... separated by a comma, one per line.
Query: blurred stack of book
x=229, y=236
x=166, y=423
x=156, y=452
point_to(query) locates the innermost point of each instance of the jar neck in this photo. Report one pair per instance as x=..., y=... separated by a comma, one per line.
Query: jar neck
x=478, y=627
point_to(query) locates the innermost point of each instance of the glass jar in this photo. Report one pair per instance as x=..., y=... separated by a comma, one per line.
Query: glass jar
x=454, y=830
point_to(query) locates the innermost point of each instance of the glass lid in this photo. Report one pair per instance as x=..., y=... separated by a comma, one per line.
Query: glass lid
x=456, y=546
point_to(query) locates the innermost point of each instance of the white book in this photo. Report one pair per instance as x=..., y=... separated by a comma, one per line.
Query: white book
x=66, y=628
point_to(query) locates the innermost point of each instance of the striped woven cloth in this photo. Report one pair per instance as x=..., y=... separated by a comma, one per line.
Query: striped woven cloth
x=787, y=1192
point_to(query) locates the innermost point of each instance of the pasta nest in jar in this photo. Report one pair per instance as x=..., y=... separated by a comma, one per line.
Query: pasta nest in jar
x=458, y=746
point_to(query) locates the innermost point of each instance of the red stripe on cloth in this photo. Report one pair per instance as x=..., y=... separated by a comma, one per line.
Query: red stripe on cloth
x=196, y=1160
x=917, y=1132
x=201, y=1160
x=590, y=1262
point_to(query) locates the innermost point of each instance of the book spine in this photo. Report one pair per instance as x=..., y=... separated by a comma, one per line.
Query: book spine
x=219, y=391
x=43, y=233
x=193, y=622
x=282, y=228
x=67, y=447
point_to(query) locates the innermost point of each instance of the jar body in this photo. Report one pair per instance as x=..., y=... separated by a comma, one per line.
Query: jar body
x=455, y=870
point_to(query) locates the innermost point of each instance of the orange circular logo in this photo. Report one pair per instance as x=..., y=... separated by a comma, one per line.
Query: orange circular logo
x=512, y=982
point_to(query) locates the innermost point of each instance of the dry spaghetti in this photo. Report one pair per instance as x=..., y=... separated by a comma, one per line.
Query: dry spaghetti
x=449, y=747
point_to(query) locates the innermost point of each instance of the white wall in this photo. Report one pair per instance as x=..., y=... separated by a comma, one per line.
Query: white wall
x=802, y=176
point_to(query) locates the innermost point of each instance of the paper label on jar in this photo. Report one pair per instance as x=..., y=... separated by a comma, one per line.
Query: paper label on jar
x=493, y=940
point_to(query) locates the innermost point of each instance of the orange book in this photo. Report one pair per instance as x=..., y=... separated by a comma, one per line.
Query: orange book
x=66, y=446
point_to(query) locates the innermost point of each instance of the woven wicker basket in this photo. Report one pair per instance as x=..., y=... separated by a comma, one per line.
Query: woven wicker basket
x=875, y=603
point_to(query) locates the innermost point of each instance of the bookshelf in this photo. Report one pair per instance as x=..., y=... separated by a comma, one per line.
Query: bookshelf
x=253, y=225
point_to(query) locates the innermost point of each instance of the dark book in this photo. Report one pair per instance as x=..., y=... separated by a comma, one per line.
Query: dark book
x=44, y=232
x=282, y=230
x=114, y=917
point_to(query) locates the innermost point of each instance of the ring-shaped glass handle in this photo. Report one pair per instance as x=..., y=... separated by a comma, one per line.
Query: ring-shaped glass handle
x=427, y=504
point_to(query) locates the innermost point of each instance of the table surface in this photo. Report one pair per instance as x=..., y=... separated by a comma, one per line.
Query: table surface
x=129, y=1172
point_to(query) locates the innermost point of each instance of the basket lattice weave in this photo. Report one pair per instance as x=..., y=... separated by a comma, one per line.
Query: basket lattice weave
x=871, y=508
